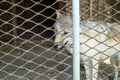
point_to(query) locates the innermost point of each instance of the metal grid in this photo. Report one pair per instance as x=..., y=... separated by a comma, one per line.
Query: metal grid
x=26, y=42
x=27, y=38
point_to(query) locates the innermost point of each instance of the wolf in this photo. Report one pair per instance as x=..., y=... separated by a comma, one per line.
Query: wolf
x=99, y=41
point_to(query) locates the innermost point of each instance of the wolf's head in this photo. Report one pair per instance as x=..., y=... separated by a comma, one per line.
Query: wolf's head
x=63, y=31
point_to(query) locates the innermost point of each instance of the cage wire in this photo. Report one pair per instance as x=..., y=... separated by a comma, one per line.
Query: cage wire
x=27, y=38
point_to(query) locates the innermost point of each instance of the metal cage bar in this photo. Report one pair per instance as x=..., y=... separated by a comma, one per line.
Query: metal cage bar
x=76, y=54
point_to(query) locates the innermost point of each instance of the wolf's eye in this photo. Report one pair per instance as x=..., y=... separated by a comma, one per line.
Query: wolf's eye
x=65, y=32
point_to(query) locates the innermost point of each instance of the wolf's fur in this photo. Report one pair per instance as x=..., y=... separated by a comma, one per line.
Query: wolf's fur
x=98, y=41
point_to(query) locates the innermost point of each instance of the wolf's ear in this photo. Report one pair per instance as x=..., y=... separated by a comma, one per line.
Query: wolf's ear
x=59, y=15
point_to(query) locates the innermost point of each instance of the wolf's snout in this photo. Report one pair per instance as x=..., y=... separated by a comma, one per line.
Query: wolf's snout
x=58, y=46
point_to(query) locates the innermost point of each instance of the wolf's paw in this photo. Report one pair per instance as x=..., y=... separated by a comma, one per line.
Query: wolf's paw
x=107, y=61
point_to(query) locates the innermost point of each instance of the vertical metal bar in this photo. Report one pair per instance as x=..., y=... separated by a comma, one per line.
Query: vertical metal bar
x=91, y=11
x=76, y=42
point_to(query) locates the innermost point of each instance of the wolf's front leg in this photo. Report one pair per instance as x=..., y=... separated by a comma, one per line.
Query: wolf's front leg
x=95, y=69
x=88, y=68
x=91, y=60
x=91, y=68
x=115, y=69
x=118, y=60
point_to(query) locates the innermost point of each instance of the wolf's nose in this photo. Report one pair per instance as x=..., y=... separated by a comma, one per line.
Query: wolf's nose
x=56, y=46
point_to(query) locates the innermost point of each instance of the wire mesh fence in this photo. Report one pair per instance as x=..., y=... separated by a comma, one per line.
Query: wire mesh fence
x=27, y=38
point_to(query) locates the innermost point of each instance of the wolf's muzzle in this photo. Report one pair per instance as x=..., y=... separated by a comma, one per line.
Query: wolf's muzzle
x=59, y=46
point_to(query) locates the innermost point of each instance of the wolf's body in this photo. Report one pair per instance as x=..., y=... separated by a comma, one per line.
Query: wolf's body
x=98, y=42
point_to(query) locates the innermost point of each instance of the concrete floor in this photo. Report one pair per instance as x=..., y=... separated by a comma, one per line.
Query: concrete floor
x=37, y=61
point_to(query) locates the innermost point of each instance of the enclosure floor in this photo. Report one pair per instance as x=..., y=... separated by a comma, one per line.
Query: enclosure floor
x=34, y=62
